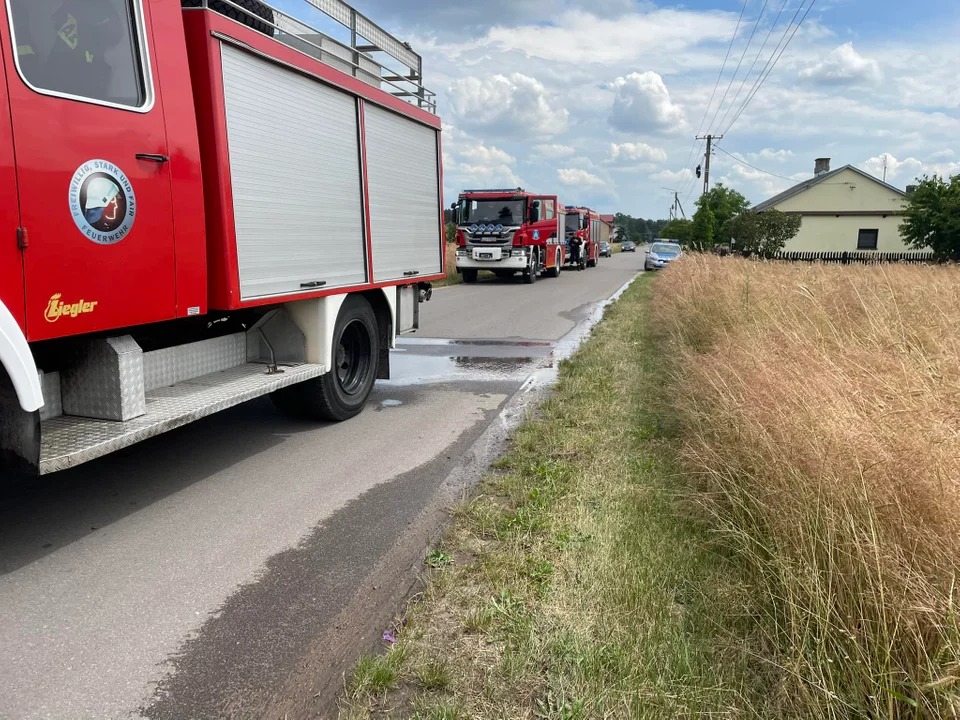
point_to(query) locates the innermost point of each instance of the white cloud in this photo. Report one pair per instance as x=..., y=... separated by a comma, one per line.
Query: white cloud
x=895, y=168
x=947, y=154
x=770, y=155
x=636, y=152
x=516, y=105
x=642, y=104
x=907, y=171
x=552, y=152
x=483, y=155
x=674, y=179
x=575, y=176
x=843, y=66
x=572, y=37
x=469, y=162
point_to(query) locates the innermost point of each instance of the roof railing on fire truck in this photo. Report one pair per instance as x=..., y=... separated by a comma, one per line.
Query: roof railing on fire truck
x=356, y=59
x=494, y=190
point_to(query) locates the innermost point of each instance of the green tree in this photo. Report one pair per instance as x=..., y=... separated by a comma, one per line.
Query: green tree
x=764, y=234
x=724, y=203
x=678, y=229
x=451, y=229
x=932, y=217
x=702, y=230
x=776, y=229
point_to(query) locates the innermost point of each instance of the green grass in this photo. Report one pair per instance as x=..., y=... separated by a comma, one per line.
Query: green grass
x=588, y=589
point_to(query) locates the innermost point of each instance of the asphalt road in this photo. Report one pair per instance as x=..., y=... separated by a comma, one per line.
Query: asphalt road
x=236, y=567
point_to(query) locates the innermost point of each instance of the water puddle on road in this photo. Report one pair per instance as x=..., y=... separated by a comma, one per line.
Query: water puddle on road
x=533, y=363
x=413, y=368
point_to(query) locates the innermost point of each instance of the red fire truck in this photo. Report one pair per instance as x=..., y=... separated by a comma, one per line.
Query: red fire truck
x=203, y=204
x=584, y=223
x=508, y=232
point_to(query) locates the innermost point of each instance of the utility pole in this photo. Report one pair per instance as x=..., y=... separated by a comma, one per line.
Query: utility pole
x=706, y=167
x=884, y=167
x=674, y=215
x=676, y=198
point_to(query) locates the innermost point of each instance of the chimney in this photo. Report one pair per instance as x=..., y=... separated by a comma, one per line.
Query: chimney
x=822, y=167
x=911, y=189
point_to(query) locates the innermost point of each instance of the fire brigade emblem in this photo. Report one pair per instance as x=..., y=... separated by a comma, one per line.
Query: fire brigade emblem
x=102, y=202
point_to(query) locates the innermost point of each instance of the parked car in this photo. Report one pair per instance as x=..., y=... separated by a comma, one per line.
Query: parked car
x=661, y=254
x=605, y=249
x=628, y=246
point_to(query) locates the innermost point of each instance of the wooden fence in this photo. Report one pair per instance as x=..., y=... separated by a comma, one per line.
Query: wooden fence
x=863, y=257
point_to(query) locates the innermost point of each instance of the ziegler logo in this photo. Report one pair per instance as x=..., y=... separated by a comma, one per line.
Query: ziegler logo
x=56, y=309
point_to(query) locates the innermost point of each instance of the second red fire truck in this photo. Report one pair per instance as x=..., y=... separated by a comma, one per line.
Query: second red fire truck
x=509, y=232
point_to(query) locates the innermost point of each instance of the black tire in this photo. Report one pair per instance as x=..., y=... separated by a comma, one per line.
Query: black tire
x=253, y=15
x=343, y=392
x=530, y=274
x=469, y=276
x=554, y=272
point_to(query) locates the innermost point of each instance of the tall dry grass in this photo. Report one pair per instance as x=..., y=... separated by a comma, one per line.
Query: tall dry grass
x=820, y=408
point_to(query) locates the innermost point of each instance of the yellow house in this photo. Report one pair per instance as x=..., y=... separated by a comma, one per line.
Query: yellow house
x=844, y=209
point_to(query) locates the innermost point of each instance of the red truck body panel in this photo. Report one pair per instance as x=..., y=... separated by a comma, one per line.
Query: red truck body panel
x=80, y=278
x=204, y=50
x=11, y=257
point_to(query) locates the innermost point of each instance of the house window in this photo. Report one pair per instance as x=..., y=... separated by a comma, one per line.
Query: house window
x=867, y=240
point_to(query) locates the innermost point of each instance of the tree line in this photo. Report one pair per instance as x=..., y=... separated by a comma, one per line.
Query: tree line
x=638, y=230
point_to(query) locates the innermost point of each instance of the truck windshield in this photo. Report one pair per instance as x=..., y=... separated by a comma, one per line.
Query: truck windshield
x=572, y=223
x=503, y=212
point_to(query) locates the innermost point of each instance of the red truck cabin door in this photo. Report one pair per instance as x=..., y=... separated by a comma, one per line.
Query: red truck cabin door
x=92, y=165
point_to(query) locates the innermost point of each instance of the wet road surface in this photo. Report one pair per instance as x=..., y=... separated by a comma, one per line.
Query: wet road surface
x=237, y=566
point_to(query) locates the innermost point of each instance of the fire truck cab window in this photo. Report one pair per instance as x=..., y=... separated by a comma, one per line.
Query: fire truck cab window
x=549, y=212
x=84, y=48
x=535, y=215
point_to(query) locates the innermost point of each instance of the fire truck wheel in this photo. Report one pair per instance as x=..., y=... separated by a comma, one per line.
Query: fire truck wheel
x=253, y=15
x=530, y=274
x=342, y=393
x=469, y=276
x=555, y=270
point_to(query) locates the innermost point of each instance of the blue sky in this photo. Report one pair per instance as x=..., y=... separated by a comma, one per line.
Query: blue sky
x=598, y=101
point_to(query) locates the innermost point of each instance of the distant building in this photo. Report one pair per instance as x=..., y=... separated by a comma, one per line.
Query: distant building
x=607, y=229
x=844, y=209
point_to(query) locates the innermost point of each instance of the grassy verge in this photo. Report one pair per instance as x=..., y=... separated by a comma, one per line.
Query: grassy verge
x=577, y=583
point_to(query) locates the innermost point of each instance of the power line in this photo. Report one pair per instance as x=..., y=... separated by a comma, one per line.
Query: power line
x=755, y=60
x=763, y=79
x=716, y=85
x=766, y=67
x=754, y=167
x=733, y=79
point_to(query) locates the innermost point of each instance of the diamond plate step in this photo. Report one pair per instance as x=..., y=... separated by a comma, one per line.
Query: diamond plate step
x=69, y=441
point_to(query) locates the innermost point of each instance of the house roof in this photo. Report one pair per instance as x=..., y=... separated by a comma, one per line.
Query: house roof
x=608, y=219
x=807, y=184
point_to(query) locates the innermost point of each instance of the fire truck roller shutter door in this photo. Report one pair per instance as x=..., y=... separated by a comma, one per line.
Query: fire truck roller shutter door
x=295, y=173
x=403, y=176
